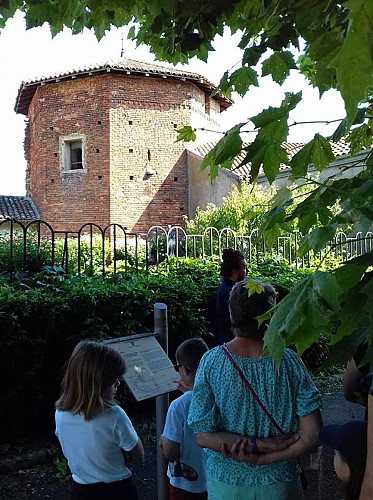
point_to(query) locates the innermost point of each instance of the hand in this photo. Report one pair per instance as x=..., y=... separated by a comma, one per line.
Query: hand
x=181, y=386
x=240, y=451
x=276, y=443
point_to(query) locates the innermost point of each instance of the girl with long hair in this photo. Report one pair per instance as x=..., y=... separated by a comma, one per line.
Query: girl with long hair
x=96, y=435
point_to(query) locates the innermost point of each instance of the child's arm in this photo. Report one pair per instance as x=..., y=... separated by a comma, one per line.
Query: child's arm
x=136, y=455
x=170, y=449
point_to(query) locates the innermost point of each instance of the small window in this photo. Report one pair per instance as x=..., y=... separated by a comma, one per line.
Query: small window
x=72, y=154
x=207, y=104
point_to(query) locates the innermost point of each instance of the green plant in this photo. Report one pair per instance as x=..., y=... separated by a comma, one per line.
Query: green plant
x=42, y=316
x=243, y=210
x=62, y=469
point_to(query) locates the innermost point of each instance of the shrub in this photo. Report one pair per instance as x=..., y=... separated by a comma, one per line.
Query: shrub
x=242, y=211
x=43, y=316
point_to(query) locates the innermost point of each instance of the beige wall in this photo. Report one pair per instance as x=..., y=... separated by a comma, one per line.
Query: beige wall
x=201, y=190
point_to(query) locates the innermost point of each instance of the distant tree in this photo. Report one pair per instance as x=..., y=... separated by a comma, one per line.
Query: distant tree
x=243, y=210
x=335, y=40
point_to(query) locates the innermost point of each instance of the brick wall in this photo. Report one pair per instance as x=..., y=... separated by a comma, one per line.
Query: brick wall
x=128, y=125
x=69, y=199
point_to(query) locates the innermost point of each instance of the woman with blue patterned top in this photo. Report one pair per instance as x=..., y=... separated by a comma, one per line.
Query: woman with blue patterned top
x=230, y=423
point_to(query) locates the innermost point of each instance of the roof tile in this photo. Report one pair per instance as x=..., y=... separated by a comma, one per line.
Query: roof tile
x=340, y=148
x=18, y=207
x=126, y=66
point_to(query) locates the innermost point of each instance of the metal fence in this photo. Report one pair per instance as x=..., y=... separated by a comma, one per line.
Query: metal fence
x=94, y=250
x=178, y=243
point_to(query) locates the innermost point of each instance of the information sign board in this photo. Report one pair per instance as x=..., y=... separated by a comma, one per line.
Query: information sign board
x=150, y=372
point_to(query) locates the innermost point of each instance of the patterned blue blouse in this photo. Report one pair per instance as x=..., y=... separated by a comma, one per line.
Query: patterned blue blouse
x=221, y=401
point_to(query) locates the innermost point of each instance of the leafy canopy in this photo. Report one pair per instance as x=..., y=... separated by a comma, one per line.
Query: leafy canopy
x=335, y=40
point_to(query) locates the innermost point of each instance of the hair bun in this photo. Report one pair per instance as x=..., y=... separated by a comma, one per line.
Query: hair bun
x=227, y=253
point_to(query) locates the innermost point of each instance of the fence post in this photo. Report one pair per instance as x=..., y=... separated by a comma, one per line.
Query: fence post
x=162, y=401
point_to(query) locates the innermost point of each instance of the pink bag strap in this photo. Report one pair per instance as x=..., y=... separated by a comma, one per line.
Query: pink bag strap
x=249, y=386
x=303, y=478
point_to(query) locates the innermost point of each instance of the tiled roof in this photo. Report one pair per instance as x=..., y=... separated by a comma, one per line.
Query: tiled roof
x=340, y=148
x=124, y=66
x=18, y=207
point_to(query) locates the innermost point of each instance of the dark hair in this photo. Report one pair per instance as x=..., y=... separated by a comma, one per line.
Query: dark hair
x=190, y=352
x=244, y=308
x=92, y=368
x=231, y=261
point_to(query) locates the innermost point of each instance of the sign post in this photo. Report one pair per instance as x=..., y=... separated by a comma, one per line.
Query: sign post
x=162, y=401
x=150, y=373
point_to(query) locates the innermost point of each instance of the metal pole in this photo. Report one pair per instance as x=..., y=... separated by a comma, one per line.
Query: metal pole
x=162, y=401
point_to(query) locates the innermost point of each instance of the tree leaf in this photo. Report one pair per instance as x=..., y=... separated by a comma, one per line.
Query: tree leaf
x=269, y=156
x=267, y=151
x=316, y=64
x=224, y=152
x=279, y=65
x=268, y=116
x=282, y=197
x=224, y=87
x=351, y=314
x=253, y=286
x=345, y=348
x=186, y=134
x=317, y=153
x=361, y=137
x=318, y=238
x=298, y=319
x=355, y=57
x=350, y=273
x=252, y=55
x=290, y=101
x=342, y=128
x=327, y=287
x=242, y=79
x=340, y=131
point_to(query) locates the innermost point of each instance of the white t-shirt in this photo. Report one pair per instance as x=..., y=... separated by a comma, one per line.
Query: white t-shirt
x=93, y=448
x=189, y=473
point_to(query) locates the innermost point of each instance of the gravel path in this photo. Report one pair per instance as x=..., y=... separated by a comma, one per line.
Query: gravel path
x=29, y=481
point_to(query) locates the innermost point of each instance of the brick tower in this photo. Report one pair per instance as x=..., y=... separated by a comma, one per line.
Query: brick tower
x=100, y=143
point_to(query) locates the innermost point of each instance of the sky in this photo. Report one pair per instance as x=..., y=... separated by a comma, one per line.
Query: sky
x=27, y=54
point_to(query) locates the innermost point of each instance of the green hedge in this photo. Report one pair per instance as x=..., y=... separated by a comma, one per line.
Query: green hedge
x=42, y=317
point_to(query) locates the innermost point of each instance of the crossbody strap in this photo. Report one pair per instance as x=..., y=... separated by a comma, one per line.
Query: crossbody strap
x=303, y=478
x=249, y=386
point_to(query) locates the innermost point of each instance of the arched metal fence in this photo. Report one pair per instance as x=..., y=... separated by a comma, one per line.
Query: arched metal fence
x=96, y=250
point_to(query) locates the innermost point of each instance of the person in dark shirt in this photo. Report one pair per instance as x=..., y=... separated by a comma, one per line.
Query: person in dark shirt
x=232, y=269
x=367, y=486
x=349, y=442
